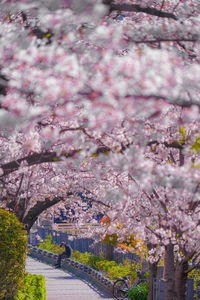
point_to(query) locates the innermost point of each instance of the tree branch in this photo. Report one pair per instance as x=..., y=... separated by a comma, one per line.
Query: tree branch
x=34, y=159
x=195, y=265
x=175, y=40
x=175, y=145
x=20, y=184
x=138, y=8
x=50, y=157
x=176, y=101
x=46, y=157
x=181, y=156
x=38, y=208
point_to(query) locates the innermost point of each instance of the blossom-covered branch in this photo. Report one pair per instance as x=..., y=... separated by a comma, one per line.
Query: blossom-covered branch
x=137, y=8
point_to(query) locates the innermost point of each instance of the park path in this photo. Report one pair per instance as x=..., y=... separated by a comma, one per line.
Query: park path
x=63, y=285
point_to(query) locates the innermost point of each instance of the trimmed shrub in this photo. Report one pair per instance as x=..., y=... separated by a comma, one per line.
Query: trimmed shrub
x=49, y=245
x=13, y=250
x=87, y=258
x=34, y=288
x=105, y=265
x=110, y=268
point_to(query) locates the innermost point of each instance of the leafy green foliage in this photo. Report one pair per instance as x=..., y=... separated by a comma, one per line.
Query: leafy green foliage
x=196, y=145
x=87, y=258
x=13, y=250
x=139, y=292
x=195, y=274
x=123, y=269
x=110, y=268
x=49, y=245
x=105, y=265
x=183, y=133
x=34, y=288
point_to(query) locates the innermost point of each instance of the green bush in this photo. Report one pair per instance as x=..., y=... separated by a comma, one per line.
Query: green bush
x=105, y=265
x=13, y=250
x=49, y=245
x=111, y=269
x=195, y=274
x=87, y=258
x=139, y=292
x=34, y=288
x=123, y=269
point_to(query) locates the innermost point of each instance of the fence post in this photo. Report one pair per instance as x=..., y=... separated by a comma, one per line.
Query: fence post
x=158, y=289
x=154, y=288
x=190, y=289
x=197, y=290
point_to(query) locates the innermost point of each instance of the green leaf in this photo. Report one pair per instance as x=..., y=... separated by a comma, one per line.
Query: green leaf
x=183, y=132
x=48, y=34
x=196, y=145
x=55, y=158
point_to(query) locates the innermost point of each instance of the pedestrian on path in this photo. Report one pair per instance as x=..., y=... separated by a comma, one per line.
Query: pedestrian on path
x=64, y=253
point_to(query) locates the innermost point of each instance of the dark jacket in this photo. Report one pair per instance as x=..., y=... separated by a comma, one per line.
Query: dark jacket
x=68, y=250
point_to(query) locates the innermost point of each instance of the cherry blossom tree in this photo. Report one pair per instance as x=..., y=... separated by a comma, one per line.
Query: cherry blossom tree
x=107, y=107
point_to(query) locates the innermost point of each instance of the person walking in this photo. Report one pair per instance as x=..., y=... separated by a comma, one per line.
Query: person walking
x=64, y=253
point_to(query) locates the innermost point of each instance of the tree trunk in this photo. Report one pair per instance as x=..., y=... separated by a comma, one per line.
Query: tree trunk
x=169, y=272
x=28, y=217
x=152, y=272
x=180, y=280
x=109, y=251
x=152, y=276
x=36, y=210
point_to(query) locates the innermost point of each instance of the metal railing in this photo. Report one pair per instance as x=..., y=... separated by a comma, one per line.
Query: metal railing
x=73, y=229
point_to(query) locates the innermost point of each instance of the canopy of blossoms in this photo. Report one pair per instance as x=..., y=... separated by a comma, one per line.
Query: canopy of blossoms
x=105, y=105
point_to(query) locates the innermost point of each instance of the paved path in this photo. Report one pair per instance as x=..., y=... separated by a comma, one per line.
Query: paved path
x=62, y=285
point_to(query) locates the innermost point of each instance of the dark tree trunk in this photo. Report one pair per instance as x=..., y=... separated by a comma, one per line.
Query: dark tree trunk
x=109, y=251
x=152, y=276
x=29, y=217
x=37, y=209
x=152, y=272
x=180, y=280
x=169, y=272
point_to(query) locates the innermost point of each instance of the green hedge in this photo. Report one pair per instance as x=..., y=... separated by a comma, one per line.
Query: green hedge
x=49, y=245
x=13, y=250
x=34, y=288
x=110, y=268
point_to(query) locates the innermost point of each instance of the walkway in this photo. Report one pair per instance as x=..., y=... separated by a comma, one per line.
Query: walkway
x=62, y=285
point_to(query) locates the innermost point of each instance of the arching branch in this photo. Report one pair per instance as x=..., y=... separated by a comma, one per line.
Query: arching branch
x=38, y=208
x=46, y=157
x=34, y=159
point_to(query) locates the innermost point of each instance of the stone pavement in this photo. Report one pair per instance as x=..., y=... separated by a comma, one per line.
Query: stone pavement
x=62, y=285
